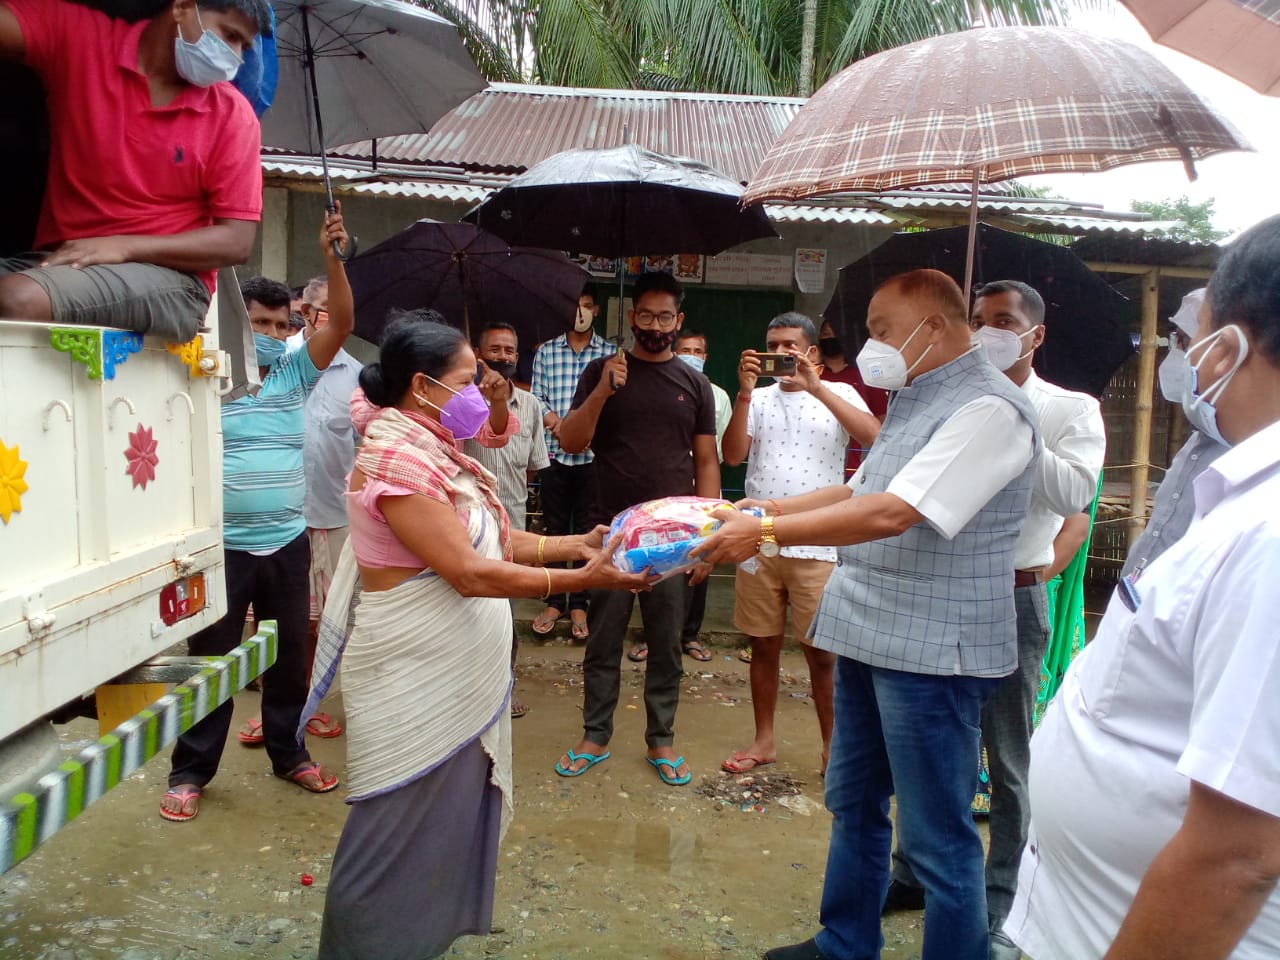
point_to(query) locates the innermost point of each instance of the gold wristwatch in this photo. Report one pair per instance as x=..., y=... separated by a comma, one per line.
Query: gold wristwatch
x=768, y=544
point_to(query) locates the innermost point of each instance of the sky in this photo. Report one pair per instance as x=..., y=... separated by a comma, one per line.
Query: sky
x=1245, y=187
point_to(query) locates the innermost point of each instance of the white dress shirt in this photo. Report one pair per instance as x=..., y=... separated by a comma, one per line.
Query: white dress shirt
x=525, y=450
x=969, y=459
x=1182, y=683
x=1075, y=443
x=329, y=444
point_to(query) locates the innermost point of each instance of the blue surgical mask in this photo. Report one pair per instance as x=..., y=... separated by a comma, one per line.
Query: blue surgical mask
x=207, y=61
x=696, y=362
x=269, y=349
x=1199, y=407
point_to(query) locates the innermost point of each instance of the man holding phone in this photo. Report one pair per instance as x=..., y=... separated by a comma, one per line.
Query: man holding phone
x=794, y=434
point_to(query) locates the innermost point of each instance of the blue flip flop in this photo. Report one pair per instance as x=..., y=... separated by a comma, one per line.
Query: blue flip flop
x=591, y=758
x=674, y=765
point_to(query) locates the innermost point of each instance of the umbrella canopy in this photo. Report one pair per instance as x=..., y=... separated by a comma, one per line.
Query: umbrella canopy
x=382, y=68
x=1086, y=321
x=470, y=276
x=989, y=104
x=1239, y=37
x=622, y=201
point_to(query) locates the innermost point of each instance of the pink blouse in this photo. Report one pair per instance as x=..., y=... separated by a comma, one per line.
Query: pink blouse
x=372, y=540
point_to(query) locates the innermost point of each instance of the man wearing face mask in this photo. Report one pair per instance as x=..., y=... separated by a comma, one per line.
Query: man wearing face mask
x=1175, y=504
x=328, y=454
x=1155, y=813
x=836, y=369
x=155, y=180
x=919, y=610
x=567, y=483
x=524, y=453
x=651, y=421
x=264, y=532
x=1008, y=323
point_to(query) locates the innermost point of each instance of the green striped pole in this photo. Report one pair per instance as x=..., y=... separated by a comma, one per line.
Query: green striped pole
x=29, y=819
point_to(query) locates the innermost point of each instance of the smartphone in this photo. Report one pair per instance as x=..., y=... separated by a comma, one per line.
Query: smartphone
x=777, y=364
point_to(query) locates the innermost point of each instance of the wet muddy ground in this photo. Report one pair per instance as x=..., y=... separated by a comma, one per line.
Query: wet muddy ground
x=611, y=864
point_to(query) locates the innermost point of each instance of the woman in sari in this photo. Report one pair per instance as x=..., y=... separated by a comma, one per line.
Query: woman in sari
x=426, y=674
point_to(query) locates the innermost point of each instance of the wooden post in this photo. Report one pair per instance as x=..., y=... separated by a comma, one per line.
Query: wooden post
x=1142, y=404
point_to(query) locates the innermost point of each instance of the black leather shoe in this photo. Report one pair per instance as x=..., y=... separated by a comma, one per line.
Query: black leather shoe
x=902, y=896
x=797, y=951
x=1002, y=948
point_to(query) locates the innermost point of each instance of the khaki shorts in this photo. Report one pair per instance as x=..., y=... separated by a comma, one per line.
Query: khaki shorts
x=140, y=297
x=761, y=598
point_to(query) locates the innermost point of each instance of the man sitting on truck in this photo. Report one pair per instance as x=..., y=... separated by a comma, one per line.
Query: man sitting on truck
x=154, y=178
x=264, y=534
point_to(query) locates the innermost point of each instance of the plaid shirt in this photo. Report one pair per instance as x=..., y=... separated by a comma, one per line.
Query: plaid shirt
x=556, y=369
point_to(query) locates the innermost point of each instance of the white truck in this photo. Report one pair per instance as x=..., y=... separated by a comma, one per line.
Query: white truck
x=110, y=553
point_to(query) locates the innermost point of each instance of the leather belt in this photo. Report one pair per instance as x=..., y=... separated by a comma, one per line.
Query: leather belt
x=1026, y=578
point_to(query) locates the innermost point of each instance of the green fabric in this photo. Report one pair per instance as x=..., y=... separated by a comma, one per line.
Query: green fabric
x=1066, y=618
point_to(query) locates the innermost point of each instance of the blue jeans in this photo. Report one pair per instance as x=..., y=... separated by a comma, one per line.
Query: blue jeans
x=916, y=735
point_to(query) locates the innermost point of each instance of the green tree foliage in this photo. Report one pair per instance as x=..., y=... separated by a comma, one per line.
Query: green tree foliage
x=1197, y=218
x=723, y=46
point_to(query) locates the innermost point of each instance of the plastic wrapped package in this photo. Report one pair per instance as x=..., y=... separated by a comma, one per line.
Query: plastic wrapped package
x=660, y=534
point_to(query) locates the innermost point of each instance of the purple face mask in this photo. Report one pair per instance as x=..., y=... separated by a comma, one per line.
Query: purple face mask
x=464, y=414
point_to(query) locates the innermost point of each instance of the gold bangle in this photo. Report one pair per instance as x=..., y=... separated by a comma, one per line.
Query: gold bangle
x=542, y=546
x=547, y=571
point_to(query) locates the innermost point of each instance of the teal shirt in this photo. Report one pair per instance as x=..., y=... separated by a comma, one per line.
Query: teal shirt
x=263, y=482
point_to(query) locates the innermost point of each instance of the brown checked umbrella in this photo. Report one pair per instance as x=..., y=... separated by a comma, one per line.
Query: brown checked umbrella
x=986, y=105
x=1239, y=37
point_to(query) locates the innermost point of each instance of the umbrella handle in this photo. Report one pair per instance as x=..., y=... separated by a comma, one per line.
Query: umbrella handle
x=353, y=244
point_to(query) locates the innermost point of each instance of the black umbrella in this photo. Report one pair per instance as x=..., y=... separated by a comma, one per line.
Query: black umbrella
x=470, y=276
x=620, y=202
x=1087, y=323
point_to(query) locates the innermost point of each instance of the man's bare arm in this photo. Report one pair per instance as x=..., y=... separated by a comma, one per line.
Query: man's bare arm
x=1206, y=886
x=12, y=45
x=224, y=244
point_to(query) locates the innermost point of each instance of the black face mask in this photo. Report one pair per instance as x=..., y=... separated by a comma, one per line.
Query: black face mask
x=504, y=370
x=654, y=341
x=830, y=347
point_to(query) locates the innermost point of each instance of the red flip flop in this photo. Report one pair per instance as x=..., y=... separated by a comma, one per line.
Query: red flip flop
x=251, y=734
x=322, y=725
x=185, y=795
x=299, y=776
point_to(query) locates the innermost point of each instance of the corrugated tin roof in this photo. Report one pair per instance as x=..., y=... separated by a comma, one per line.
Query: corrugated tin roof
x=509, y=127
x=346, y=180
x=803, y=213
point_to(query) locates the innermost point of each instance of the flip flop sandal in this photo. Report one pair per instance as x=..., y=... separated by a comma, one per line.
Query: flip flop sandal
x=579, y=629
x=735, y=763
x=299, y=776
x=184, y=796
x=251, y=734
x=518, y=709
x=591, y=758
x=662, y=764
x=745, y=654
x=543, y=625
x=639, y=653
x=695, y=649
x=324, y=727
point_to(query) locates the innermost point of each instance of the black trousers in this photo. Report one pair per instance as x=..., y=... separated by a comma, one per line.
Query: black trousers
x=278, y=589
x=697, y=610
x=663, y=610
x=566, y=503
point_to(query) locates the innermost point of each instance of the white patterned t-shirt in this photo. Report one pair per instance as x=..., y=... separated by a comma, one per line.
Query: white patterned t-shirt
x=797, y=446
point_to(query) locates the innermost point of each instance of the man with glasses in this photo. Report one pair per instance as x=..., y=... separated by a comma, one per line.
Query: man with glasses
x=650, y=419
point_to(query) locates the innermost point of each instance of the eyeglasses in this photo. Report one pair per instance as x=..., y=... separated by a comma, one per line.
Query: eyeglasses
x=647, y=318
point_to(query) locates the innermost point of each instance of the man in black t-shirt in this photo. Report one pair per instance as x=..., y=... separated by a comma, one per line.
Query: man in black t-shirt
x=650, y=420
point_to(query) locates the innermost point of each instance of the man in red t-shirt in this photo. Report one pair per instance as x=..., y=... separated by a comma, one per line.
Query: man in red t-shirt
x=836, y=367
x=155, y=180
